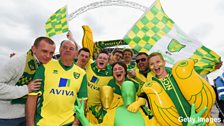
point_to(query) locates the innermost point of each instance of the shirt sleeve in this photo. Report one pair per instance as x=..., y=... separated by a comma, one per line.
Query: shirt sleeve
x=83, y=93
x=9, y=73
x=110, y=83
x=39, y=75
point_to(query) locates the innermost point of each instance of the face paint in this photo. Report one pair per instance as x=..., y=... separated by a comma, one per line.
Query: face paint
x=119, y=73
x=151, y=67
x=157, y=65
x=160, y=64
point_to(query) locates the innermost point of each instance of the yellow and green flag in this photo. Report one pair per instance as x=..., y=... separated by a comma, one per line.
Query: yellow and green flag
x=156, y=32
x=149, y=29
x=57, y=23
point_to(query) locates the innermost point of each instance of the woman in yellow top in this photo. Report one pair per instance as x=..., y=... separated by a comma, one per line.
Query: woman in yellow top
x=119, y=116
x=119, y=76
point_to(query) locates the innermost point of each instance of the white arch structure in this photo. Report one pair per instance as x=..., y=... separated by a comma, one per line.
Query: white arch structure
x=106, y=3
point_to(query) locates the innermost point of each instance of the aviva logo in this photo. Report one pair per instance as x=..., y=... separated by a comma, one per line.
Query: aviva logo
x=64, y=82
x=94, y=79
x=61, y=92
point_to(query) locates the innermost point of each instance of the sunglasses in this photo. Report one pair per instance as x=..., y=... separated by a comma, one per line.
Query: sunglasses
x=143, y=60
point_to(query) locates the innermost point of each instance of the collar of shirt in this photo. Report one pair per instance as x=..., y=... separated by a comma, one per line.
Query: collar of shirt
x=37, y=61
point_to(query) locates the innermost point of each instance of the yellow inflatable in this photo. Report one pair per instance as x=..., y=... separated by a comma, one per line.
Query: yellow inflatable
x=161, y=105
x=87, y=40
x=194, y=88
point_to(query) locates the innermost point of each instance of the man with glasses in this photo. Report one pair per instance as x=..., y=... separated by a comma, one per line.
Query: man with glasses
x=142, y=73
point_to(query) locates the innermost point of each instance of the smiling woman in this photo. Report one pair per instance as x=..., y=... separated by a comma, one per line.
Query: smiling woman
x=119, y=76
x=119, y=72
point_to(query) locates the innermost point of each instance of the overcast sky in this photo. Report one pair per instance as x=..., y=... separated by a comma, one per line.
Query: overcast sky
x=21, y=21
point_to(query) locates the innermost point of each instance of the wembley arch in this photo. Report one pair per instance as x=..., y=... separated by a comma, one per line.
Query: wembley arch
x=104, y=3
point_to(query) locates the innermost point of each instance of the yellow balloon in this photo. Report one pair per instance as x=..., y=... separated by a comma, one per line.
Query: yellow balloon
x=194, y=88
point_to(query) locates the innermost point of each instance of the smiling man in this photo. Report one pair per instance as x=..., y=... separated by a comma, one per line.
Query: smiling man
x=83, y=57
x=128, y=54
x=63, y=82
x=16, y=81
x=163, y=77
x=99, y=74
x=142, y=73
x=116, y=56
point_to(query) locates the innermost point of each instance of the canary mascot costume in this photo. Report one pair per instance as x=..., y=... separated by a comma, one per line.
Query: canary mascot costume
x=194, y=88
x=162, y=106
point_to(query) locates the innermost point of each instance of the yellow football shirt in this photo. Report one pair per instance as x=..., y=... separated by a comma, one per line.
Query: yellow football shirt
x=60, y=87
x=96, y=78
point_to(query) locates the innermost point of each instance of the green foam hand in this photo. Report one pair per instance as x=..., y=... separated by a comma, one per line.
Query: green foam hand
x=79, y=113
x=196, y=119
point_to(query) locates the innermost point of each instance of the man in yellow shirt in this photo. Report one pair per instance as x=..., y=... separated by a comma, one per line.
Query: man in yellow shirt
x=142, y=73
x=99, y=73
x=62, y=82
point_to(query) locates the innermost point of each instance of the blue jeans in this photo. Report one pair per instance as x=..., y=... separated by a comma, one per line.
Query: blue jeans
x=13, y=122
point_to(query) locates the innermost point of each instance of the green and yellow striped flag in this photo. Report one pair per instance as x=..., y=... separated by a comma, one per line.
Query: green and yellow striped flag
x=156, y=32
x=206, y=60
x=57, y=23
x=149, y=29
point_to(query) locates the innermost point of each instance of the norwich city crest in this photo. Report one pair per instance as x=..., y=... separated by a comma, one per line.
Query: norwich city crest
x=175, y=46
x=76, y=75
